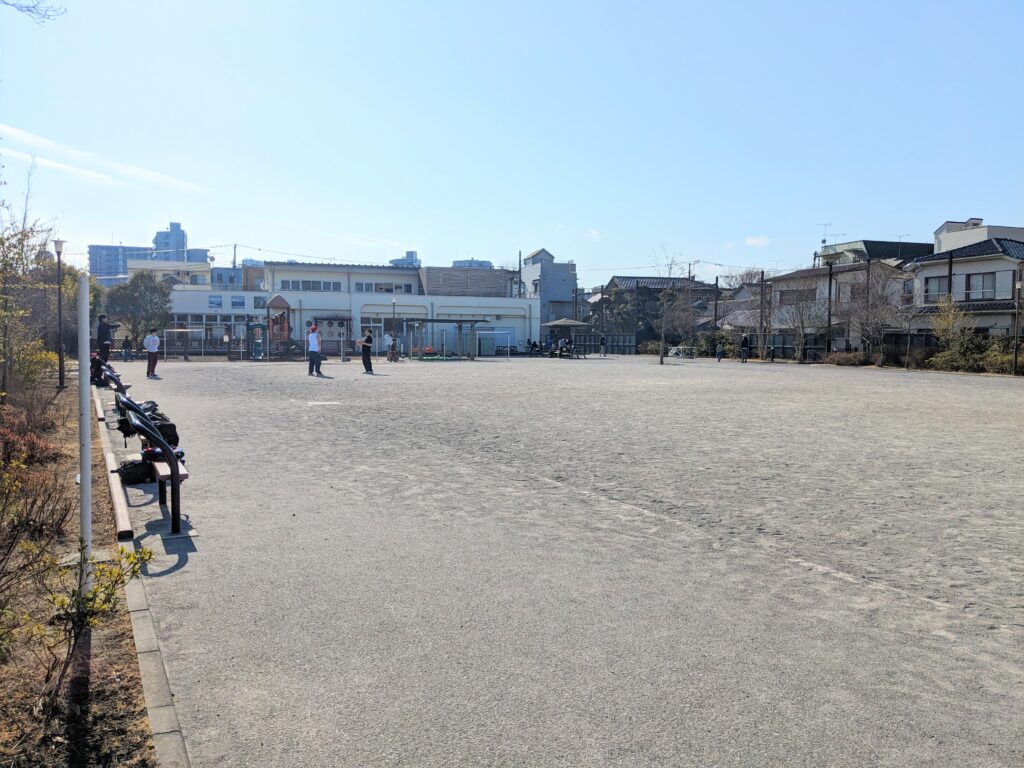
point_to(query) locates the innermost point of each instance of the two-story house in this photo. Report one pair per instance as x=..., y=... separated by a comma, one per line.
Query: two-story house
x=979, y=277
x=854, y=315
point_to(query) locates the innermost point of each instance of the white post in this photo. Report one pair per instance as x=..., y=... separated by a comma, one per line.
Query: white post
x=84, y=428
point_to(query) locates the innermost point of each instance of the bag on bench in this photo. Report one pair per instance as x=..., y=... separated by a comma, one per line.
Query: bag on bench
x=152, y=453
x=135, y=472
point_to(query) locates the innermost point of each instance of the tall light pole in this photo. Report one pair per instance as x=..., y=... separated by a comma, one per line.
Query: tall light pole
x=58, y=247
x=1016, y=320
x=394, y=323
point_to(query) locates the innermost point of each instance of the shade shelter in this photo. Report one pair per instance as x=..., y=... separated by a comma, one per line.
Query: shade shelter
x=570, y=325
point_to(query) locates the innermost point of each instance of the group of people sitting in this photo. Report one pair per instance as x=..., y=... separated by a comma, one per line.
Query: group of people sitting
x=561, y=348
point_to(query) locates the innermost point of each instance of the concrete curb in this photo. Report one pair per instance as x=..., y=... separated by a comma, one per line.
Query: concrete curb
x=122, y=520
x=98, y=404
x=168, y=740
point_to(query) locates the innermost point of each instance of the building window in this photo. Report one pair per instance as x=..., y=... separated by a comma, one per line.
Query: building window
x=259, y=302
x=981, y=287
x=336, y=286
x=935, y=288
x=408, y=287
x=908, y=292
x=797, y=296
x=359, y=288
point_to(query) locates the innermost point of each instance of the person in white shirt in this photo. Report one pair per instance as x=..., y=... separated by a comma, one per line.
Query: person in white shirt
x=314, y=351
x=152, y=346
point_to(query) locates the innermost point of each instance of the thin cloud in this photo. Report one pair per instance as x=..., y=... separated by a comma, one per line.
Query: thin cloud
x=594, y=234
x=125, y=171
x=757, y=242
x=729, y=245
x=74, y=170
x=366, y=241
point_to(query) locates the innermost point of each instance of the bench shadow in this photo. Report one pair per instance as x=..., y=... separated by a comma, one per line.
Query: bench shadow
x=151, y=491
x=176, y=545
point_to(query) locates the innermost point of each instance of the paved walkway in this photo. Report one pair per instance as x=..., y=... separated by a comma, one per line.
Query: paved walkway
x=603, y=562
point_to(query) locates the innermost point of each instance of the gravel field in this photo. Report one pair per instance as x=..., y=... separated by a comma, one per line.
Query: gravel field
x=603, y=562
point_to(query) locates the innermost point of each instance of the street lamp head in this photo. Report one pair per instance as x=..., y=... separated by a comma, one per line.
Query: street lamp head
x=58, y=246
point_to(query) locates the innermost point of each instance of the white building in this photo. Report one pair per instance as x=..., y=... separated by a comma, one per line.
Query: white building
x=983, y=277
x=958, y=234
x=351, y=298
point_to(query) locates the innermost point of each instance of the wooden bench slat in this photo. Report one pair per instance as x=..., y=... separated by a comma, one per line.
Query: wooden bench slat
x=163, y=471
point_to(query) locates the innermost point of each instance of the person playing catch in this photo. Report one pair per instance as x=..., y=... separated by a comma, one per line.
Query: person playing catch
x=366, y=345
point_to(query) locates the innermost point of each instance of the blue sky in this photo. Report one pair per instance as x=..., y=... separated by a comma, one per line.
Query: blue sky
x=601, y=131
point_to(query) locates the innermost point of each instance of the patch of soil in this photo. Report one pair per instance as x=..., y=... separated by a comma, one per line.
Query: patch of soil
x=103, y=722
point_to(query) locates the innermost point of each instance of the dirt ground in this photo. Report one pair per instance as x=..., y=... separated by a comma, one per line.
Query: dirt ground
x=592, y=562
x=106, y=723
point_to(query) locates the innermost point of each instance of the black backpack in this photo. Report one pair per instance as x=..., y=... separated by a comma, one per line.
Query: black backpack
x=135, y=472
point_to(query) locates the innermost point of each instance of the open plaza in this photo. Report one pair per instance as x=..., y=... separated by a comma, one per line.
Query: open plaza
x=537, y=562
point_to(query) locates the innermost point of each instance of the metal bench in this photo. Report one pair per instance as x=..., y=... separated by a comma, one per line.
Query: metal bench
x=174, y=470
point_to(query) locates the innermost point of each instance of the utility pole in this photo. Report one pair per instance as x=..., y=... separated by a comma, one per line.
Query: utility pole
x=234, y=256
x=716, y=303
x=1016, y=320
x=58, y=246
x=519, y=277
x=867, y=305
x=760, y=330
x=949, y=275
x=828, y=322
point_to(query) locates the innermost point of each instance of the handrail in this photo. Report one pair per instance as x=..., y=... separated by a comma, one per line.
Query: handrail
x=145, y=426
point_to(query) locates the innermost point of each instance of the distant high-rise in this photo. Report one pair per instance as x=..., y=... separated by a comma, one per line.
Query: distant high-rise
x=109, y=263
x=411, y=259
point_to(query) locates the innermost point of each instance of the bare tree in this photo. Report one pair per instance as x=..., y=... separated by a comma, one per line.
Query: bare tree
x=904, y=320
x=871, y=305
x=668, y=265
x=745, y=276
x=801, y=310
x=37, y=10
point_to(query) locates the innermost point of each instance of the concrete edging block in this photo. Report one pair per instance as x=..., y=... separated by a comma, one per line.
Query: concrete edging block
x=168, y=740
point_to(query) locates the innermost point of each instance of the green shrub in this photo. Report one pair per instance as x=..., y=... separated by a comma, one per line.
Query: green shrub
x=998, y=358
x=849, y=358
x=648, y=347
x=955, y=360
x=708, y=342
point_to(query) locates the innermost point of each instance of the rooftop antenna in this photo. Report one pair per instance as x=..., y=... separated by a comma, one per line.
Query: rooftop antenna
x=899, y=248
x=825, y=236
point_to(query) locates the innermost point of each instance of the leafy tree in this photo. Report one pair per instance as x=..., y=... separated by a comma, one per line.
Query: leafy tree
x=21, y=240
x=140, y=304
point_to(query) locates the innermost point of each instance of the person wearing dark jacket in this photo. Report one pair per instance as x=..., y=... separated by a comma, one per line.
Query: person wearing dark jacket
x=367, y=347
x=104, y=339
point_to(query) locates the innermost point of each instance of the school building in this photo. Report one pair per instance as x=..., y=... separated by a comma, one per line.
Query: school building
x=434, y=307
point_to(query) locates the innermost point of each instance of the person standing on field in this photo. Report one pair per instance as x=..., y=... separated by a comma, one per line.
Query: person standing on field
x=719, y=351
x=604, y=347
x=367, y=347
x=152, y=346
x=314, y=351
x=104, y=339
x=744, y=348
